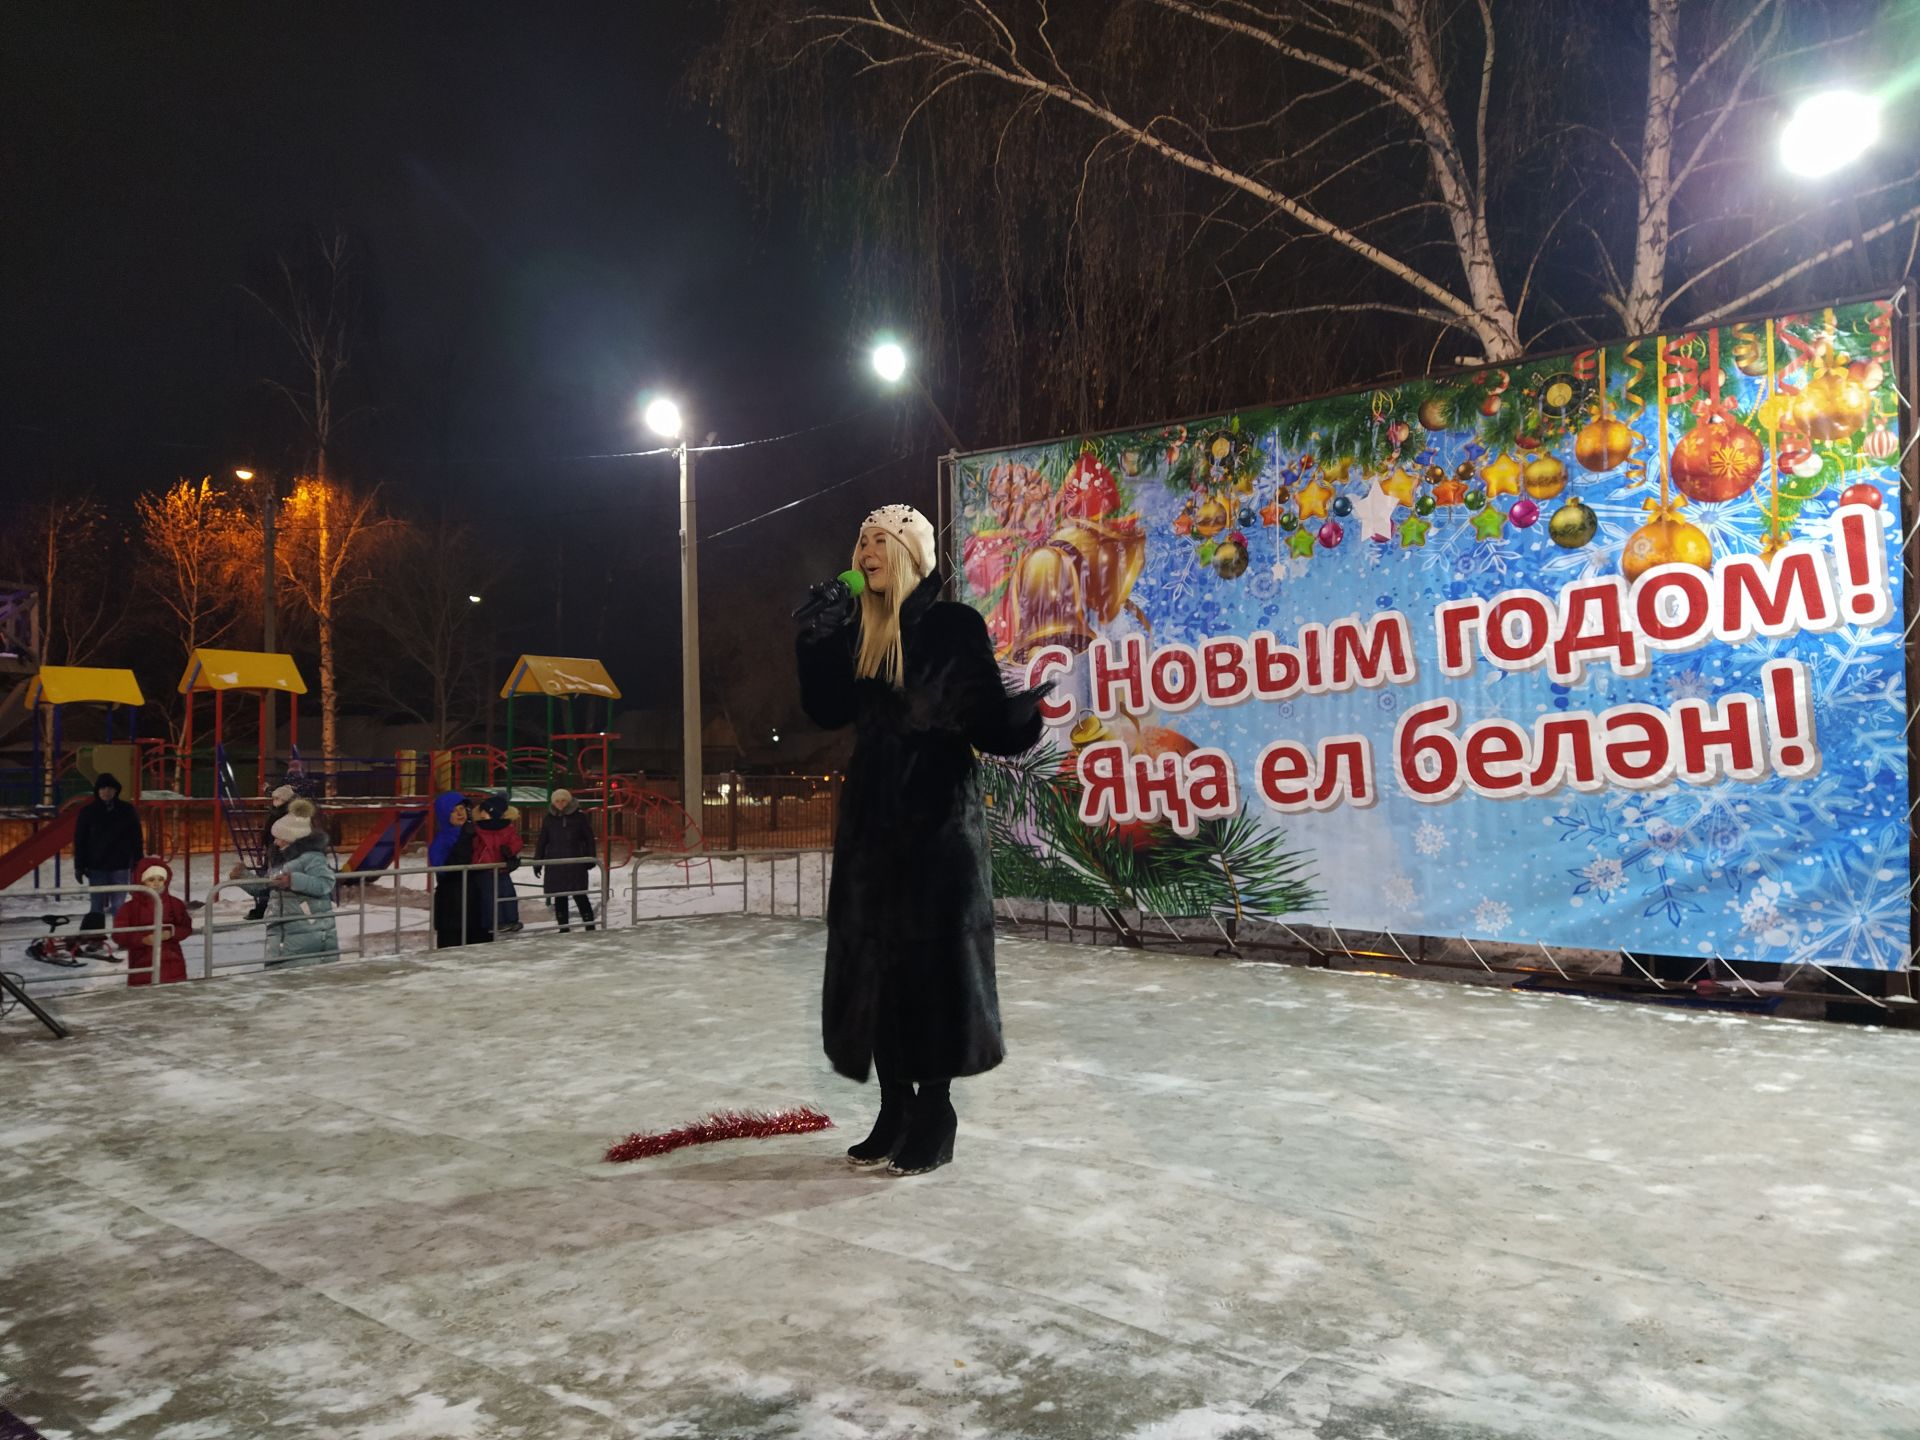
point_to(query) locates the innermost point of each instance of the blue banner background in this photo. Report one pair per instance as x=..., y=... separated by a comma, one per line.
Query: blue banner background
x=1781, y=870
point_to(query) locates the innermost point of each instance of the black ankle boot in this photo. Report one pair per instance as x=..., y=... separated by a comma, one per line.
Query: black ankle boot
x=929, y=1140
x=889, y=1127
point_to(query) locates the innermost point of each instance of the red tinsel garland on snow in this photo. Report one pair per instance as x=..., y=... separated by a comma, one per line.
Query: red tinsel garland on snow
x=726, y=1125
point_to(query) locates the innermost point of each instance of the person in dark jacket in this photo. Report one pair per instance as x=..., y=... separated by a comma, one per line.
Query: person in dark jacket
x=107, y=841
x=462, y=901
x=909, y=982
x=496, y=841
x=566, y=835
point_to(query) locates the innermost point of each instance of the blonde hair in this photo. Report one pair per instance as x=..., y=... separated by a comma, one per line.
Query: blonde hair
x=882, y=656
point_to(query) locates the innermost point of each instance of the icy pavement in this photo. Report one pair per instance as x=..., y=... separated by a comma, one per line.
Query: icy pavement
x=1201, y=1200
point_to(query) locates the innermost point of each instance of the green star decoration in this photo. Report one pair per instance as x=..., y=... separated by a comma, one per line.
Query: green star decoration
x=1301, y=544
x=1488, y=524
x=1413, y=531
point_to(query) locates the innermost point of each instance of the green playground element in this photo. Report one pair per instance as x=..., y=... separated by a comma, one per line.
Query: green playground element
x=533, y=771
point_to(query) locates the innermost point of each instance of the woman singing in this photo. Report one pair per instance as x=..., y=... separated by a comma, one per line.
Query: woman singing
x=909, y=981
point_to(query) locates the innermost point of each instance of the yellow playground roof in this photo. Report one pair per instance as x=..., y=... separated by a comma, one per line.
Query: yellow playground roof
x=241, y=670
x=557, y=675
x=83, y=685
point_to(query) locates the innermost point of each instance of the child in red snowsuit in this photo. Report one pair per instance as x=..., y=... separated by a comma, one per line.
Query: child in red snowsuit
x=496, y=841
x=133, y=927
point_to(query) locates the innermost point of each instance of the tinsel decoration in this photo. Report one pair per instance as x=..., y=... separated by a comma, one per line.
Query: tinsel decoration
x=724, y=1125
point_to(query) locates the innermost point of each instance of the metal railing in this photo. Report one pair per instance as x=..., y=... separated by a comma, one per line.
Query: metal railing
x=747, y=862
x=367, y=924
x=105, y=935
x=252, y=887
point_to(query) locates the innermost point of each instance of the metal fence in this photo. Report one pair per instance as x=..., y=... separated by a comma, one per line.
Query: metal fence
x=769, y=882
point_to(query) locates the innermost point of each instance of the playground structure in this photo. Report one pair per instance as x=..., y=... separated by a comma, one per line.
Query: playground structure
x=57, y=781
x=205, y=801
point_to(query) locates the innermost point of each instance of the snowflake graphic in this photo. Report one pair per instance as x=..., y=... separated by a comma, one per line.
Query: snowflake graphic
x=1429, y=839
x=1766, y=913
x=1492, y=916
x=1400, y=893
x=1689, y=685
x=1602, y=878
x=1863, y=921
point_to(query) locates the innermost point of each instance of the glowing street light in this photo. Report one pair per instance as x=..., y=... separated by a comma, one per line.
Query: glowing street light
x=663, y=418
x=889, y=361
x=473, y=599
x=1828, y=132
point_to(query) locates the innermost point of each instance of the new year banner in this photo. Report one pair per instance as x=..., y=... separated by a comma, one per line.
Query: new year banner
x=1600, y=650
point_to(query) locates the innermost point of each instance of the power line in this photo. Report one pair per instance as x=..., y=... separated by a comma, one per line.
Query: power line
x=825, y=489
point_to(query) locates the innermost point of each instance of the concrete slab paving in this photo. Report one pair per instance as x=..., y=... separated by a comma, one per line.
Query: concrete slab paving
x=1203, y=1200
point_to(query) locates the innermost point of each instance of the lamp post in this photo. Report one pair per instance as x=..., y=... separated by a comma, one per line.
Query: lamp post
x=269, y=515
x=663, y=418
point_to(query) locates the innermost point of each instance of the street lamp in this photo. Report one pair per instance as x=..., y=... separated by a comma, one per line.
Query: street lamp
x=889, y=360
x=269, y=514
x=1828, y=132
x=663, y=418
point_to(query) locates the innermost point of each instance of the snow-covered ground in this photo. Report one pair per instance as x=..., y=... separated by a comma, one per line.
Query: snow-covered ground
x=392, y=917
x=1202, y=1200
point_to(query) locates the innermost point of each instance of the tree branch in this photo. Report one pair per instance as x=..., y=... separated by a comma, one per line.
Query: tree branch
x=1793, y=272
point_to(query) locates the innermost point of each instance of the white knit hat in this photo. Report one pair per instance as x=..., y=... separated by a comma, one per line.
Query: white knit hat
x=561, y=797
x=289, y=828
x=153, y=870
x=302, y=807
x=908, y=526
x=281, y=794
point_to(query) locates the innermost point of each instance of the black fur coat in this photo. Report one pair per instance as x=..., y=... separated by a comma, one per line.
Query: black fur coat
x=909, y=980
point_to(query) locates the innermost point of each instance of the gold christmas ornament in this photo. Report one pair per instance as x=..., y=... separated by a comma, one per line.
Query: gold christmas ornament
x=1665, y=540
x=1545, y=477
x=1211, y=519
x=1573, y=524
x=1835, y=402
x=1604, y=443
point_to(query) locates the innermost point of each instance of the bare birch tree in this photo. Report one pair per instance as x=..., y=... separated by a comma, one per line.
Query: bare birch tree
x=328, y=538
x=197, y=573
x=73, y=549
x=1169, y=194
x=316, y=313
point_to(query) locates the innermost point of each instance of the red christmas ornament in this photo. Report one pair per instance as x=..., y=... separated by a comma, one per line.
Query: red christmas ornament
x=1862, y=494
x=725, y=1125
x=1717, y=460
x=1490, y=406
x=1090, y=490
x=1331, y=534
x=1523, y=512
x=1792, y=452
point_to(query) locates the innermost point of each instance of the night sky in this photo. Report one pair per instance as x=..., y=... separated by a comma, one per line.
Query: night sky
x=549, y=227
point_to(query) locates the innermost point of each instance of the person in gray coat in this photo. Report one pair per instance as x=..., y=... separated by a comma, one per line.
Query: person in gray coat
x=300, y=928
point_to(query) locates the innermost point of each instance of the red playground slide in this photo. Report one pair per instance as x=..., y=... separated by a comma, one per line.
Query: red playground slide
x=41, y=846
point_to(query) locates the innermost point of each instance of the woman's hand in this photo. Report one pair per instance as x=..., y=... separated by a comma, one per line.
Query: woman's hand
x=282, y=881
x=829, y=621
